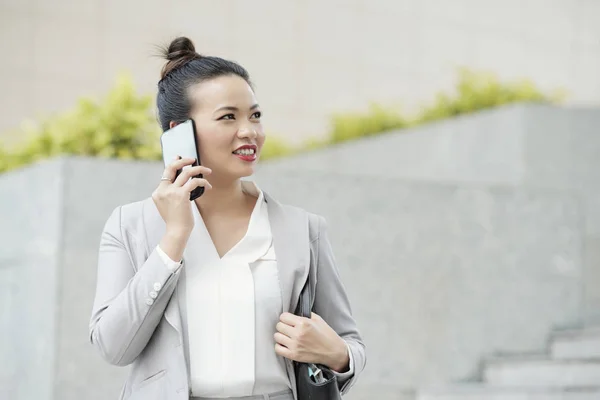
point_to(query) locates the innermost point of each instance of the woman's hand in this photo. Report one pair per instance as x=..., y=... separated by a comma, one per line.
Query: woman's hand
x=172, y=199
x=311, y=340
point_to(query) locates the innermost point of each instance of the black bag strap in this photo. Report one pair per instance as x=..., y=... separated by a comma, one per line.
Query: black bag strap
x=304, y=304
x=304, y=307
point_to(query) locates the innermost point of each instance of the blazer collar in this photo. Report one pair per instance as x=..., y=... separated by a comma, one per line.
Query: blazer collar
x=289, y=227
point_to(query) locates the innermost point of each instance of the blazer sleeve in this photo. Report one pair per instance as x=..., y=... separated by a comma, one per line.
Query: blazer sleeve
x=332, y=304
x=128, y=304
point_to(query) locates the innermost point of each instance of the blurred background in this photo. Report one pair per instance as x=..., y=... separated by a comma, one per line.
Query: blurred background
x=453, y=147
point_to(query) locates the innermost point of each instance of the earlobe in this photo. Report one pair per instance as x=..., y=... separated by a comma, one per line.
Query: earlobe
x=173, y=124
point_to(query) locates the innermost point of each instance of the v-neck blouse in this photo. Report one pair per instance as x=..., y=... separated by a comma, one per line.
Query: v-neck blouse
x=230, y=308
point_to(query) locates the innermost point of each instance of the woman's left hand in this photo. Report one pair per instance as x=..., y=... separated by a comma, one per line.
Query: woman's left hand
x=311, y=341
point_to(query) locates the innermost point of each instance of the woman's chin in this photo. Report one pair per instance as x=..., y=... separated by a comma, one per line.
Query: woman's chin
x=248, y=173
x=243, y=172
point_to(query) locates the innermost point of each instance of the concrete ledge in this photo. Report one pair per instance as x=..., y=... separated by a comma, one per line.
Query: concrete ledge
x=544, y=373
x=440, y=274
x=484, y=392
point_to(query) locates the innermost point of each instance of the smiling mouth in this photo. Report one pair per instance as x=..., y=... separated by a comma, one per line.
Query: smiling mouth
x=245, y=152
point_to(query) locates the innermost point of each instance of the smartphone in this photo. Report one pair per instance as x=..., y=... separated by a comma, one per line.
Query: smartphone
x=181, y=141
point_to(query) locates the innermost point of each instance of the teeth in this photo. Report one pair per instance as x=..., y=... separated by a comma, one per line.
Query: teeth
x=245, y=152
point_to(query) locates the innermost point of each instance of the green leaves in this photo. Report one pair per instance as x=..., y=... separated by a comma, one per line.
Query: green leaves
x=122, y=124
x=275, y=147
x=479, y=90
x=119, y=125
x=474, y=91
x=352, y=126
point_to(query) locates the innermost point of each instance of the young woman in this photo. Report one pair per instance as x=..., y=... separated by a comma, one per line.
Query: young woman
x=199, y=296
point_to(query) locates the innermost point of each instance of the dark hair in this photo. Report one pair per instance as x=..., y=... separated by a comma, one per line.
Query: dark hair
x=183, y=69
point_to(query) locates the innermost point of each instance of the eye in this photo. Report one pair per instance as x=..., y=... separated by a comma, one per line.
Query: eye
x=257, y=115
x=228, y=117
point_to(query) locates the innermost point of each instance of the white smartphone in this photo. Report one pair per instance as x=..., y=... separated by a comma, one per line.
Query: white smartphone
x=181, y=141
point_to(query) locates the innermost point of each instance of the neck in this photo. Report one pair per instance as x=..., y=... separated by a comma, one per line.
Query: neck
x=224, y=197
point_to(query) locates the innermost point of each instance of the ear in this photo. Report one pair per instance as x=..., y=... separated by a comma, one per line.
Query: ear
x=173, y=124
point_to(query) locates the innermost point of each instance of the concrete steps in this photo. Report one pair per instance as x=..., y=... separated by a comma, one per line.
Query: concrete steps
x=542, y=372
x=487, y=392
x=577, y=344
x=570, y=371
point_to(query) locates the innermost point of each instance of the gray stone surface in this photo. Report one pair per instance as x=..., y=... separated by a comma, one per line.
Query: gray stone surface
x=382, y=391
x=477, y=392
x=568, y=370
x=92, y=190
x=522, y=145
x=440, y=275
x=582, y=344
x=52, y=215
x=542, y=372
x=441, y=272
x=30, y=231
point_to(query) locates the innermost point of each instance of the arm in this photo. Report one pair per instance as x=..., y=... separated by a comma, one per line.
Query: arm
x=128, y=305
x=332, y=304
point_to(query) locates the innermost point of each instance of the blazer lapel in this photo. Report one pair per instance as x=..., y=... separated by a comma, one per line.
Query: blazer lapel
x=155, y=229
x=289, y=227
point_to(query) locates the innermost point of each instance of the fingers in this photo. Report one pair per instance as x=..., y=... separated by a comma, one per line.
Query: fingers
x=285, y=329
x=196, y=182
x=290, y=319
x=283, y=340
x=189, y=172
x=283, y=351
x=171, y=169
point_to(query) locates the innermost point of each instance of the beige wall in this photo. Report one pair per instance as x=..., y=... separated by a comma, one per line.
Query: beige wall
x=308, y=58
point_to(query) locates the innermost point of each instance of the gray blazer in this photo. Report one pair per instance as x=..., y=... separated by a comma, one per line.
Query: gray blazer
x=127, y=328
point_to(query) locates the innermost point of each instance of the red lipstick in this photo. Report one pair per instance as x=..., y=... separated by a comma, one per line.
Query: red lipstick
x=246, y=152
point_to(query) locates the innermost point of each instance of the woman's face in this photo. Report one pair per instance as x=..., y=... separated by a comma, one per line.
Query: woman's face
x=228, y=126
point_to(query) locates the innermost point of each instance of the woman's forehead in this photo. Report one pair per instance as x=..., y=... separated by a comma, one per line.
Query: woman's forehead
x=229, y=90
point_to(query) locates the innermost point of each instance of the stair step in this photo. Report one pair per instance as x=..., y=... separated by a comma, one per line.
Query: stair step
x=576, y=344
x=485, y=392
x=538, y=371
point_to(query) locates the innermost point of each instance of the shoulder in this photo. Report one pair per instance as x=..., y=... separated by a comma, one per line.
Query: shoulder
x=132, y=212
x=316, y=223
x=130, y=217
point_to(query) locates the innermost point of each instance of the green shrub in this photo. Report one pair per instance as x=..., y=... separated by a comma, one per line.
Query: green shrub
x=275, y=147
x=121, y=125
x=474, y=91
x=479, y=90
x=314, y=143
x=352, y=126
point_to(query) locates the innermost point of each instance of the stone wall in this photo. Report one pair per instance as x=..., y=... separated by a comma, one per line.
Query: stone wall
x=455, y=241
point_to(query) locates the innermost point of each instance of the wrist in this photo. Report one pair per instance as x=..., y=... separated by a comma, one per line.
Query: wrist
x=177, y=233
x=173, y=244
x=340, y=361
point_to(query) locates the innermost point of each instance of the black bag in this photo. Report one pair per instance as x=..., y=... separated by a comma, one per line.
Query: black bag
x=313, y=382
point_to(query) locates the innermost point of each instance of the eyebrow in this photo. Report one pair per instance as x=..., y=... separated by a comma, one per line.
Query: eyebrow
x=230, y=108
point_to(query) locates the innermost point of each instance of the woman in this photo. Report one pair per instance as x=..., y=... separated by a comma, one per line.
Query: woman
x=225, y=270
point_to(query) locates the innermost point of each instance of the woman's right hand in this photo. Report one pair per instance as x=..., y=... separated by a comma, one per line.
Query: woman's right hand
x=172, y=198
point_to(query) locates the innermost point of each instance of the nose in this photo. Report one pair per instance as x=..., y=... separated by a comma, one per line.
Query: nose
x=248, y=132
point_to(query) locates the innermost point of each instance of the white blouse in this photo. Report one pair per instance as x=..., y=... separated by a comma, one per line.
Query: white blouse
x=230, y=307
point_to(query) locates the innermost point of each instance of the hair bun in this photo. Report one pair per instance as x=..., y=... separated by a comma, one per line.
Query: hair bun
x=180, y=51
x=180, y=47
